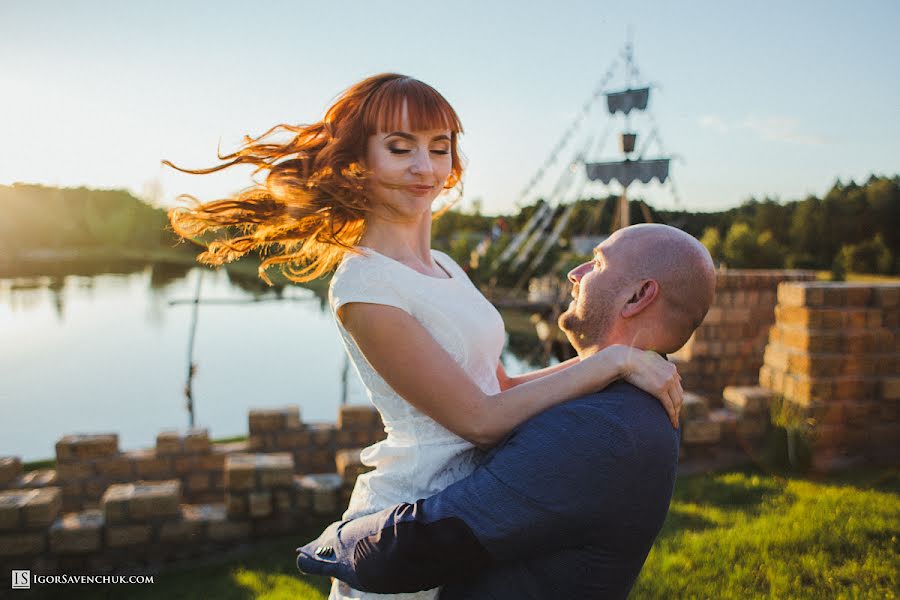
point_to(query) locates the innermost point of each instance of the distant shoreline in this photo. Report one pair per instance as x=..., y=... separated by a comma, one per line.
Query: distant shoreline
x=244, y=268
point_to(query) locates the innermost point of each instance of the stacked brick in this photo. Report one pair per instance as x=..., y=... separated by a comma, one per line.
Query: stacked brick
x=313, y=445
x=746, y=416
x=737, y=427
x=25, y=516
x=320, y=493
x=834, y=359
x=198, y=464
x=124, y=508
x=145, y=522
x=728, y=346
x=86, y=464
x=349, y=467
x=261, y=487
x=135, y=515
x=10, y=471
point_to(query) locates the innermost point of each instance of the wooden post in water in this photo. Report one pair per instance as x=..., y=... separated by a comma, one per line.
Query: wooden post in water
x=344, y=369
x=192, y=367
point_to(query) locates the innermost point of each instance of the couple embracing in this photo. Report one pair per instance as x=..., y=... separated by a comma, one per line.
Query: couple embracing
x=549, y=484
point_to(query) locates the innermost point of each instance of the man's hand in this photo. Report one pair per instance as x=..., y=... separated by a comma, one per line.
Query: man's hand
x=324, y=555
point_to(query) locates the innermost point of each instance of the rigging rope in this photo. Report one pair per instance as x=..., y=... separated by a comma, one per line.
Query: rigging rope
x=585, y=109
x=520, y=237
x=662, y=149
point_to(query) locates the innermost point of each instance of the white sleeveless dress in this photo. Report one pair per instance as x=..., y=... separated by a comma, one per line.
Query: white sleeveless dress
x=419, y=457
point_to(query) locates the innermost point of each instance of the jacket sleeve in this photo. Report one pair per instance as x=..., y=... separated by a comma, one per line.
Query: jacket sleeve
x=542, y=491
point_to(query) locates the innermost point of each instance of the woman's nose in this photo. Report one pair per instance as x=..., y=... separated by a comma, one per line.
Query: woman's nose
x=421, y=163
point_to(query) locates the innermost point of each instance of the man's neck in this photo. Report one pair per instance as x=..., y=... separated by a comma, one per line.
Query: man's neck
x=585, y=351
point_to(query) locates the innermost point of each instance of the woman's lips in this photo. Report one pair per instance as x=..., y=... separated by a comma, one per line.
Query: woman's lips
x=419, y=189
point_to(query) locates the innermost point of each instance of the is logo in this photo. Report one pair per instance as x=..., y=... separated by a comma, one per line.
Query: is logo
x=21, y=580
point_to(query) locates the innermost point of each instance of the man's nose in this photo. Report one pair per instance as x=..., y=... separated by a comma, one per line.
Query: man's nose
x=578, y=272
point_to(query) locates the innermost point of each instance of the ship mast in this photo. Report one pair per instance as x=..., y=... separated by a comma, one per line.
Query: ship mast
x=628, y=170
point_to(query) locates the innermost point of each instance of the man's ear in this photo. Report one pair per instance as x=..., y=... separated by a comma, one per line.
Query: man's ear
x=642, y=298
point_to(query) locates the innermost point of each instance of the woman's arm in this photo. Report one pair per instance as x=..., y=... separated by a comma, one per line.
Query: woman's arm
x=507, y=382
x=426, y=376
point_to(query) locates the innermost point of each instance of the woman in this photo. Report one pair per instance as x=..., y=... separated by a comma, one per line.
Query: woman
x=356, y=191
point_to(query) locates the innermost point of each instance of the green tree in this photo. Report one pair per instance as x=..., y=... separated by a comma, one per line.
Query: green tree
x=771, y=254
x=713, y=242
x=871, y=256
x=739, y=246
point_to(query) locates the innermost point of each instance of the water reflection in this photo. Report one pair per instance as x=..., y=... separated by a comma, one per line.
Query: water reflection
x=101, y=347
x=163, y=275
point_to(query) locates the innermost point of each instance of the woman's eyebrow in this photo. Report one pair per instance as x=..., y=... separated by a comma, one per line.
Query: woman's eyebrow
x=402, y=134
x=412, y=138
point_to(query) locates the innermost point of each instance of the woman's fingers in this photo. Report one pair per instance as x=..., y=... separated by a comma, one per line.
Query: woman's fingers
x=662, y=376
x=665, y=398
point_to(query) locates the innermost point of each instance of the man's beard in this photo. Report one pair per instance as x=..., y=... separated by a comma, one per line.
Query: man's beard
x=591, y=326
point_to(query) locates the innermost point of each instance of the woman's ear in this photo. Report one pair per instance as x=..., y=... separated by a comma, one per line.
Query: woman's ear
x=642, y=298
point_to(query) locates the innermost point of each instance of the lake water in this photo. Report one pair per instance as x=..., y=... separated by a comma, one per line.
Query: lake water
x=107, y=352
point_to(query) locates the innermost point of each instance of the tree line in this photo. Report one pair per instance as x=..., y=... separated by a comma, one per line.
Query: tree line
x=852, y=227
x=37, y=217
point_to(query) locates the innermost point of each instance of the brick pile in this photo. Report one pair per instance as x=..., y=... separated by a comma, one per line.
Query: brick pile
x=834, y=359
x=349, y=467
x=101, y=509
x=313, y=446
x=86, y=464
x=728, y=346
x=258, y=486
x=738, y=426
x=25, y=516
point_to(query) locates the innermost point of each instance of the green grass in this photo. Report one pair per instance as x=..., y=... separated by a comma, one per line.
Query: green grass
x=49, y=463
x=860, y=277
x=746, y=535
x=743, y=534
x=228, y=440
x=265, y=571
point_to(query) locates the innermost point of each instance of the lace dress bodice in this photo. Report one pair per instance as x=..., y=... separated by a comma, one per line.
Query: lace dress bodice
x=419, y=457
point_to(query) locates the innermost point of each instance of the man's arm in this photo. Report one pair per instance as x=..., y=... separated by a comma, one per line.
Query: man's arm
x=542, y=491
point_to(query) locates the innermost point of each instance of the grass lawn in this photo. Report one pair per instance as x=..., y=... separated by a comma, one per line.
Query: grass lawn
x=747, y=535
x=732, y=535
x=860, y=277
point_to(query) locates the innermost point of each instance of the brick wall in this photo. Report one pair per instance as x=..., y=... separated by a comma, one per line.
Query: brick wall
x=102, y=510
x=727, y=348
x=833, y=360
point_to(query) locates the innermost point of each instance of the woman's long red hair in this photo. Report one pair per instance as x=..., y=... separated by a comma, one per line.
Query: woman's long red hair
x=313, y=203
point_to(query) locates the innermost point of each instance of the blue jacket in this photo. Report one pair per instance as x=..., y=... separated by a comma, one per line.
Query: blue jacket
x=567, y=506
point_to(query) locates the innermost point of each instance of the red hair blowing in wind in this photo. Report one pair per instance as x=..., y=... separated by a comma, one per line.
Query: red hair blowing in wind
x=313, y=204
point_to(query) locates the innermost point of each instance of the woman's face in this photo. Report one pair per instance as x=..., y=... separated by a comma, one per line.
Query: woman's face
x=409, y=168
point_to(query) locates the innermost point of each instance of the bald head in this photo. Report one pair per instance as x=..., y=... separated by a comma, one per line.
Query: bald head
x=683, y=268
x=650, y=285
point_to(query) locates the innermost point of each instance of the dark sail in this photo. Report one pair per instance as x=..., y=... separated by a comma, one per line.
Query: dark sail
x=627, y=100
x=626, y=172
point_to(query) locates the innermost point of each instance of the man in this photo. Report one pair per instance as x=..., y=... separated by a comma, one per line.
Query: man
x=569, y=504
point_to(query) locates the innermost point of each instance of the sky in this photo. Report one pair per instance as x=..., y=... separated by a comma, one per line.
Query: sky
x=758, y=99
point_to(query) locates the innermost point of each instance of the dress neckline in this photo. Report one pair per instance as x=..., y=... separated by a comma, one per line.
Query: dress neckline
x=450, y=276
